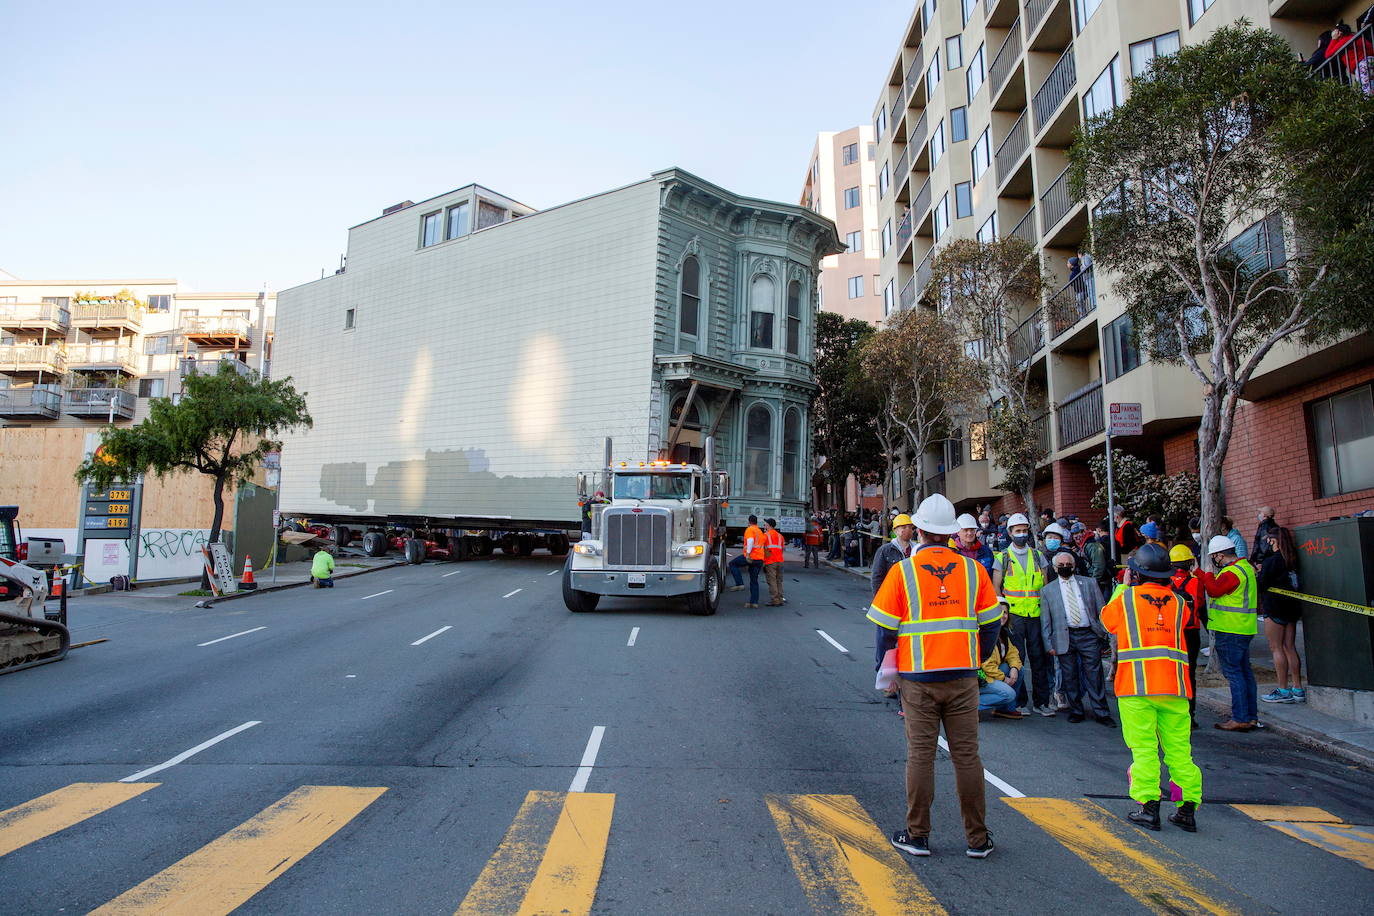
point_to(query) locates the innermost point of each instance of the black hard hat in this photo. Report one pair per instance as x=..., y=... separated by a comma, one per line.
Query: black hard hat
x=1151, y=561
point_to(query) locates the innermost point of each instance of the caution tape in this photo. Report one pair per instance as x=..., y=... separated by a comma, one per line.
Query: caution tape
x=1328, y=602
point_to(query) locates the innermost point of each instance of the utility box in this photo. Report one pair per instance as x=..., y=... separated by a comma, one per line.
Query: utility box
x=1336, y=560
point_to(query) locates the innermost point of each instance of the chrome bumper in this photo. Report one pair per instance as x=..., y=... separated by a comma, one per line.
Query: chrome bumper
x=656, y=584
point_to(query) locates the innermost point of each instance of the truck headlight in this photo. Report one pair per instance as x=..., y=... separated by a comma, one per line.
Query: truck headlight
x=690, y=550
x=587, y=548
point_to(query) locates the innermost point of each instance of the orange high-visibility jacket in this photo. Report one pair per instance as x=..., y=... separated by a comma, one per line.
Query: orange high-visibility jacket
x=1152, y=658
x=753, y=533
x=773, y=543
x=936, y=600
x=813, y=534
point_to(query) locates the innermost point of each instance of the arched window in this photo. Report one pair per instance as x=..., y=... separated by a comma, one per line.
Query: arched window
x=758, y=449
x=791, y=453
x=794, y=318
x=761, y=309
x=689, y=302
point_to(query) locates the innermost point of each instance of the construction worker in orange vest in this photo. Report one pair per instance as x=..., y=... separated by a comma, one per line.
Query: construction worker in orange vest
x=939, y=610
x=1147, y=621
x=814, y=534
x=773, y=543
x=752, y=557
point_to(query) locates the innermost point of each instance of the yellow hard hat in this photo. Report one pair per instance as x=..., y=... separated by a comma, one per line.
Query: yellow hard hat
x=1180, y=553
x=901, y=520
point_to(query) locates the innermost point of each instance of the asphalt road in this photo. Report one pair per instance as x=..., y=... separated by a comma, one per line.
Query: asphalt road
x=740, y=763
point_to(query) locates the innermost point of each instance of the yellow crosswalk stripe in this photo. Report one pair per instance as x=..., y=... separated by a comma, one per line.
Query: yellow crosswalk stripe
x=222, y=875
x=47, y=814
x=1160, y=879
x=1319, y=828
x=549, y=860
x=842, y=859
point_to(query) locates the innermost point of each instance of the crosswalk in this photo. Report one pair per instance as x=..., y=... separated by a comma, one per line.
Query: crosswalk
x=552, y=857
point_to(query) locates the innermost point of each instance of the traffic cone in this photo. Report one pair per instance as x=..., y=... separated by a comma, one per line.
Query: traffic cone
x=57, y=587
x=246, y=583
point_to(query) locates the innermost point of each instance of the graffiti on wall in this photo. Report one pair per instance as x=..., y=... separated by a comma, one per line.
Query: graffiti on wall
x=166, y=543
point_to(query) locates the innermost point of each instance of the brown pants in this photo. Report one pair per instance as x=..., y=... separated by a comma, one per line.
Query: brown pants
x=773, y=573
x=955, y=705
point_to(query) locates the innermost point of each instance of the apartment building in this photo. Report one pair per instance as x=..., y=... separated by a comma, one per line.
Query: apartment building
x=974, y=123
x=843, y=183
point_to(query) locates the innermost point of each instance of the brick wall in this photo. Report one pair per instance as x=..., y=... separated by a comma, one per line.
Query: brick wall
x=1073, y=490
x=1180, y=453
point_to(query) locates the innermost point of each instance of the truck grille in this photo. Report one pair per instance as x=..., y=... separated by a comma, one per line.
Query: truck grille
x=636, y=540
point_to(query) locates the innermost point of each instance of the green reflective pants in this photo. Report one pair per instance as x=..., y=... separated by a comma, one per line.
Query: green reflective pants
x=1151, y=723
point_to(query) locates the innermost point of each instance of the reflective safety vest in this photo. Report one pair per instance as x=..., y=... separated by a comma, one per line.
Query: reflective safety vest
x=1237, y=611
x=773, y=544
x=1022, y=586
x=754, y=533
x=1151, y=655
x=931, y=599
x=813, y=535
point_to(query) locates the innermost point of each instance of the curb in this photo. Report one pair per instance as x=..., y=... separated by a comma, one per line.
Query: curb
x=1307, y=737
x=852, y=570
x=264, y=590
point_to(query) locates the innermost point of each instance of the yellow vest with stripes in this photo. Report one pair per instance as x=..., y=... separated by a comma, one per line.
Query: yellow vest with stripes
x=1237, y=611
x=1022, y=586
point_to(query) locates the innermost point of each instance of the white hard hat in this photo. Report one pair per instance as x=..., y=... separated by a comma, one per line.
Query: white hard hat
x=1017, y=519
x=1220, y=543
x=935, y=515
x=967, y=521
x=1053, y=528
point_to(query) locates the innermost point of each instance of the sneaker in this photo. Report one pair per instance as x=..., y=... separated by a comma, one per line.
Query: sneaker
x=914, y=845
x=1298, y=694
x=1279, y=695
x=747, y=604
x=1047, y=711
x=980, y=852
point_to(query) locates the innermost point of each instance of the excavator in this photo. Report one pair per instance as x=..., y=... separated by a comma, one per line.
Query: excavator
x=27, y=636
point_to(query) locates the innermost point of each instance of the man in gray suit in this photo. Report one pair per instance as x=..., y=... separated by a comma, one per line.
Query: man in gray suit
x=1070, y=607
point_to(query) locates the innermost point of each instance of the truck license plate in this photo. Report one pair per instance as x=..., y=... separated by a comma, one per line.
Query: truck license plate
x=637, y=578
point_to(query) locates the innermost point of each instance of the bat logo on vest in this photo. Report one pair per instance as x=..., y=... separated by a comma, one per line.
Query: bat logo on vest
x=1159, y=602
x=940, y=572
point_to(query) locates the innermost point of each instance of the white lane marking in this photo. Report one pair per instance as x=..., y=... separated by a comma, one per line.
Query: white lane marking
x=826, y=636
x=584, y=771
x=553, y=572
x=1007, y=789
x=192, y=752
x=378, y=595
x=223, y=638
x=454, y=573
x=516, y=592
x=350, y=675
x=430, y=636
x=634, y=634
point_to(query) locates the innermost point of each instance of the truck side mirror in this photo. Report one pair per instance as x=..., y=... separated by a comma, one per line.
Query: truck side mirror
x=721, y=485
x=582, y=484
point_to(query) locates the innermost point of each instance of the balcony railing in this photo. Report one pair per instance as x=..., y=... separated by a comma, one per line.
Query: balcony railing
x=1035, y=11
x=1055, y=203
x=1054, y=89
x=1074, y=301
x=1026, y=228
x=954, y=451
x=904, y=231
x=903, y=167
x=96, y=402
x=30, y=402
x=1341, y=65
x=1042, y=426
x=935, y=484
x=922, y=203
x=898, y=104
x=918, y=133
x=98, y=355
x=1006, y=59
x=923, y=273
x=1012, y=148
x=1080, y=416
x=216, y=326
x=192, y=366
x=106, y=314
x=915, y=71
x=1028, y=338
x=34, y=315
x=32, y=358
x=908, y=294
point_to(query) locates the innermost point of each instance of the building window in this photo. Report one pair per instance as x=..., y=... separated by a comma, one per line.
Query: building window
x=981, y=154
x=1196, y=8
x=1120, y=351
x=161, y=302
x=1259, y=248
x=884, y=178
x=63, y=302
x=937, y=144
x=1084, y=9
x=762, y=305
x=791, y=452
x=933, y=75
x=963, y=199
x=854, y=241
x=758, y=447
x=889, y=297
x=941, y=217
x=689, y=303
x=1105, y=93
x=851, y=198
x=431, y=226
x=987, y=233
x=927, y=13
x=954, y=52
x=489, y=214
x=856, y=287
x=880, y=123
x=1343, y=433
x=151, y=387
x=969, y=8
x=349, y=316
x=157, y=346
x=958, y=124
x=1142, y=52
x=457, y=220
x=887, y=237
x=976, y=74
x=849, y=154
x=794, y=318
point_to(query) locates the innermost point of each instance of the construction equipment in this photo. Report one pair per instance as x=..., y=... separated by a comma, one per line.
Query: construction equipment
x=27, y=636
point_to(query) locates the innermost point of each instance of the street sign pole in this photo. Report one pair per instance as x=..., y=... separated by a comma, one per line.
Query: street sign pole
x=1111, y=497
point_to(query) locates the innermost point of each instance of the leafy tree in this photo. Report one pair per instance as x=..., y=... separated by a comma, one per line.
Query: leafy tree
x=218, y=428
x=1175, y=498
x=843, y=404
x=1221, y=136
x=984, y=289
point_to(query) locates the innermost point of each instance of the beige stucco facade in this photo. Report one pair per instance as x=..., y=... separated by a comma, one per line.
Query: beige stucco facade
x=842, y=183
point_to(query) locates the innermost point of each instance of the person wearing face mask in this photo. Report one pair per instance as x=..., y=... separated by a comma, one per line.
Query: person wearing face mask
x=1072, y=633
x=968, y=543
x=1018, y=575
x=1233, y=618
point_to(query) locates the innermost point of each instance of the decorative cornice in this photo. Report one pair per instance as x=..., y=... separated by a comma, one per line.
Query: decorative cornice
x=693, y=367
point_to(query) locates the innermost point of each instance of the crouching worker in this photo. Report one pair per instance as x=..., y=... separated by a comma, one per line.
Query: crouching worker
x=322, y=569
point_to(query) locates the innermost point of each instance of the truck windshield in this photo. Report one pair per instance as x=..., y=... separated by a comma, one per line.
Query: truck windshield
x=653, y=486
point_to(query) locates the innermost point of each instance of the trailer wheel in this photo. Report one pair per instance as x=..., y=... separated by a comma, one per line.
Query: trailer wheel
x=374, y=544
x=558, y=544
x=507, y=543
x=415, y=551
x=705, y=602
x=577, y=602
x=482, y=546
x=343, y=535
x=522, y=545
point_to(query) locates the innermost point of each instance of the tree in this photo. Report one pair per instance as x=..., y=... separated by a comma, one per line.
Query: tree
x=1222, y=136
x=927, y=382
x=843, y=404
x=983, y=288
x=1175, y=498
x=218, y=428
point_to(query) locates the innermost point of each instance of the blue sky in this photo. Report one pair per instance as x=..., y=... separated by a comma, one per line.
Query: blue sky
x=231, y=145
